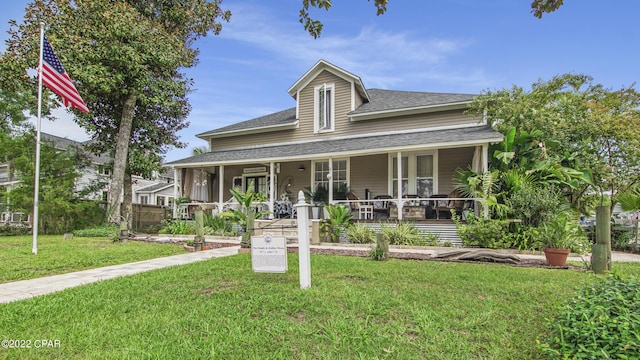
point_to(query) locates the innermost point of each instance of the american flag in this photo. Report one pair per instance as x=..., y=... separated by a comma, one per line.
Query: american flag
x=56, y=79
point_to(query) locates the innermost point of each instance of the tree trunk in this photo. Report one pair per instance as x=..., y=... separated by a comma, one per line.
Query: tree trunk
x=127, y=207
x=120, y=160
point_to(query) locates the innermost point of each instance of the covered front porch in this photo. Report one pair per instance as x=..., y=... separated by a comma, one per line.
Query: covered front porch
x=367, y=181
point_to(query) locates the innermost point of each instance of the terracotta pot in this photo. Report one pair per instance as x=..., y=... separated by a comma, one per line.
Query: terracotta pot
x=556, y=257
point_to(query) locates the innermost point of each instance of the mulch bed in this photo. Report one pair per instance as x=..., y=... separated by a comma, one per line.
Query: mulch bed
x=408, y=255
x=531, y=263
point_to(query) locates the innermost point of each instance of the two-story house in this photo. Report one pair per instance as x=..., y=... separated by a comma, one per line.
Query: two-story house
x=341, y=133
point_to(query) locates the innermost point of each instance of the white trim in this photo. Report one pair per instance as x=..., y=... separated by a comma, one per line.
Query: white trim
x=316, y=69
x=298, y=104
x=316, y=104
x=353, y=96
x=412, y=169
x=143, y=191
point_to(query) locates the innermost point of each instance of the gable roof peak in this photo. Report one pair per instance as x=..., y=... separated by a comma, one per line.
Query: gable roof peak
x=323, y=65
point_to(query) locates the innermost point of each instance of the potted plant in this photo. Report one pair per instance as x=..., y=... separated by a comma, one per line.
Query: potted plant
x=559, y=237
x=319, y=198
x=335, y=226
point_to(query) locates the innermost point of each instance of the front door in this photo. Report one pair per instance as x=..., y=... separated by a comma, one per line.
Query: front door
x=256, y=183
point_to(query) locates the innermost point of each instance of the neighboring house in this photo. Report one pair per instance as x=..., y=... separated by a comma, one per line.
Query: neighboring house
x=156, y=191
x=341, y=133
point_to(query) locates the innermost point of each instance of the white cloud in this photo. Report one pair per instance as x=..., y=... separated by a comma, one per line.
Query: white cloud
x=383, y=59
x=62, y=125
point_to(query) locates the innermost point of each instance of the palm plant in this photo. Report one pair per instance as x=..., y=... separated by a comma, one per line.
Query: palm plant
x=246, y=214
x=337, y=223
x=563, y=232
x=630, y=200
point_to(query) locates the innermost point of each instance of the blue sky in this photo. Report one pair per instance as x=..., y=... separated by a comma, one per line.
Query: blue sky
x=460, y=46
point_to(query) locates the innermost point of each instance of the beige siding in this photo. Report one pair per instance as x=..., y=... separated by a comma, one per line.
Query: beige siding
x=369, y=172
x=343, y=126
x=448, y=161
x=409, y=122
x=366, y=172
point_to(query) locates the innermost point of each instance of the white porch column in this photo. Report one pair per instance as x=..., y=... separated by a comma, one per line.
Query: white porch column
x=220, y=188
x=330, y=178
x=272, y=187
x=176, y=191
x=485, y=157
x=400, y=203
x=485, y=168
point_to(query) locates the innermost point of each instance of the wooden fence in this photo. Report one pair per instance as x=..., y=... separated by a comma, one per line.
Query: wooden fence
x=149, y=216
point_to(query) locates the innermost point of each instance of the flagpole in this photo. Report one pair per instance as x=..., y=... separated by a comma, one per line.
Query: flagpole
x=36, y=191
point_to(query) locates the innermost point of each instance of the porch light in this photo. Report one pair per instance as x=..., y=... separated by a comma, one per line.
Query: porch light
x=301, y=168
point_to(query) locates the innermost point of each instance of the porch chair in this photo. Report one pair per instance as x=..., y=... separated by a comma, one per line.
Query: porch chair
x=446, y=204
x=381, y=207
x=365, y=210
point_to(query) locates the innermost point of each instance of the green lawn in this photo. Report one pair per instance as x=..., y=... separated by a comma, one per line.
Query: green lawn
x=355, y=309
x=58, y=256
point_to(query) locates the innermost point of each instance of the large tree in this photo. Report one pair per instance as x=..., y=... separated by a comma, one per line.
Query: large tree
x=126, y=59
x=591, y=127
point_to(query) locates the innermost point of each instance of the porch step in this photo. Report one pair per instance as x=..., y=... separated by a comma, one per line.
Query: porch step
x=280, y=227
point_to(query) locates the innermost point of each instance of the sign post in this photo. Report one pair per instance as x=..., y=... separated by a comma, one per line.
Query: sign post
x=302, y=209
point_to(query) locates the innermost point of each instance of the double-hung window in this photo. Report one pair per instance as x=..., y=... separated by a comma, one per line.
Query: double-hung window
x=338, y=176
x=323, y=109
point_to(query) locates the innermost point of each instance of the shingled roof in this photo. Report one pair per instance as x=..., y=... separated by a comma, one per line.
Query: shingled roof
x=381, y=100
x=284, y=117
x=354, y=146
x=385, y=100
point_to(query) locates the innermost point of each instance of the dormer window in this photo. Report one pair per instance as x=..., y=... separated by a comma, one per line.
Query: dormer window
x=323, y=112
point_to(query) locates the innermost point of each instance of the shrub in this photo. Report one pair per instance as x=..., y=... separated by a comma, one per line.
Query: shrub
x=522, y=237
x=432, y=239
x=361, y=234
x=104, y=230
x=403, y=233
x=218, y=225
x=535, y=205
x=178, y=227
x=376, y=253
x=338, y=222
x=603, y=321
x=487, y=233
x=622, y=240
x=12, y=230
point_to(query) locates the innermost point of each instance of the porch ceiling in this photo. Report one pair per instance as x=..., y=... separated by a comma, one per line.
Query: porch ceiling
x=354, y=146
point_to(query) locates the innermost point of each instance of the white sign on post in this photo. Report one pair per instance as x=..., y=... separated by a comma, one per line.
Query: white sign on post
x=269, y=254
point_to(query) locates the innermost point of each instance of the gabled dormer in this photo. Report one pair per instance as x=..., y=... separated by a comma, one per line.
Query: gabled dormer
x=325, y=95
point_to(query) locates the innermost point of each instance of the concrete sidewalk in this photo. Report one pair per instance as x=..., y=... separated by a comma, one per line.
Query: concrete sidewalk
x=26, y=289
